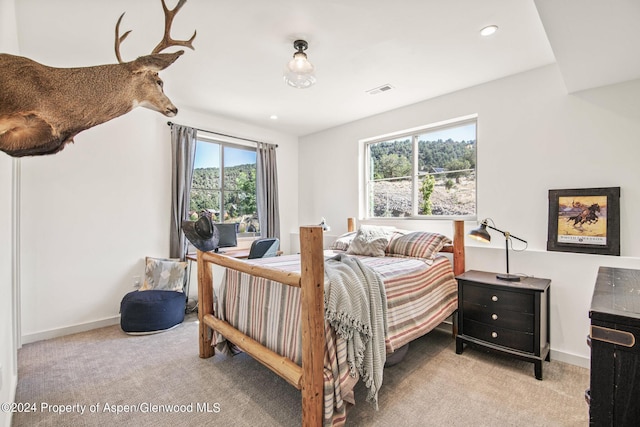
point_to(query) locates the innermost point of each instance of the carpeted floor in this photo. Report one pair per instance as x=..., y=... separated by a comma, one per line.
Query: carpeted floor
x=107, y=373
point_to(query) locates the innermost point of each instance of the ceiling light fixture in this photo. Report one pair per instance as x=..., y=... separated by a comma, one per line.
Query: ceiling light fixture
x=299, y=72
x=487, y=31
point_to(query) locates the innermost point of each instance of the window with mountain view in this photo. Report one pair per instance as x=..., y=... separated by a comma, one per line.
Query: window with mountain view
x=425, y=173
x=224, y=183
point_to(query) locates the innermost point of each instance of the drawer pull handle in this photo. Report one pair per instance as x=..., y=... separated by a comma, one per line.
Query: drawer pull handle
x=494, y=298
x=613, y=336
x=494, y=316
x=494, y=335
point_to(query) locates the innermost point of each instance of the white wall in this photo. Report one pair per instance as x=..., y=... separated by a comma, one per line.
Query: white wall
x=93, y=211
x=7, y=348
x=8, y=374
x=8, y=358
x=532, y=137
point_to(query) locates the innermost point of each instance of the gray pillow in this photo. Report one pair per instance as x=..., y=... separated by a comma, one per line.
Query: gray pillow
x=370, y=240
x=342, y=242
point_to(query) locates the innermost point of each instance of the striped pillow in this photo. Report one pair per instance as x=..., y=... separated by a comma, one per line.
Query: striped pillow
x=417, y=244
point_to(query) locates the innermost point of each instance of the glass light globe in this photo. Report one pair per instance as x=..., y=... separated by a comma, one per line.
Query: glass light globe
x=299, y=72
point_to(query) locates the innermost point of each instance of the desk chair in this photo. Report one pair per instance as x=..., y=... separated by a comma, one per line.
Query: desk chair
x=264, y=248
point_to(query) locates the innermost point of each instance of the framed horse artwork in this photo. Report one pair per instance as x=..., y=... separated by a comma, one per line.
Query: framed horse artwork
x=585, y=220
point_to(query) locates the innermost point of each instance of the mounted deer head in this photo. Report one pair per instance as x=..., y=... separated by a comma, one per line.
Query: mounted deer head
x=43, y=108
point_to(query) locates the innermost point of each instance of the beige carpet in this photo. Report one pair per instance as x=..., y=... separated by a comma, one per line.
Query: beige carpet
x=433, y=386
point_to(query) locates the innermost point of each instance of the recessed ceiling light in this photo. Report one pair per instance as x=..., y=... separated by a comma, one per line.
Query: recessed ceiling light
x=273, y=117
x=487, y=31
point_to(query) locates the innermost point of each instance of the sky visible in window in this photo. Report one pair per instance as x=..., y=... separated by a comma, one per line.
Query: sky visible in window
x=460, y=133
x=208, y=156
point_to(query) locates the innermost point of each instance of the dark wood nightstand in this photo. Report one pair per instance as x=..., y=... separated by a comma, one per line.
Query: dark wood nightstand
x=509, y=317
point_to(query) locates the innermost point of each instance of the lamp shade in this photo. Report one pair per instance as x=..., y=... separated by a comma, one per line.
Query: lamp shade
x=481, y=233
x=299, y=72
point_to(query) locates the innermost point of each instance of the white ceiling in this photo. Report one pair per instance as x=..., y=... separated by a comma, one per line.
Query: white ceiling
x=423, y=48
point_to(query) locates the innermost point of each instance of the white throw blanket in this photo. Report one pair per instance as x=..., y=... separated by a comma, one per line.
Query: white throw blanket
x=356, y=307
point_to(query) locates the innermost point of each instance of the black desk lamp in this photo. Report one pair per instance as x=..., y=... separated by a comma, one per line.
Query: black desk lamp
x=483, y=235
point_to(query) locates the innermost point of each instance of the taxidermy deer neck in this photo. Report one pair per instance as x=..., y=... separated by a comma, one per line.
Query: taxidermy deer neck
x=43, y=108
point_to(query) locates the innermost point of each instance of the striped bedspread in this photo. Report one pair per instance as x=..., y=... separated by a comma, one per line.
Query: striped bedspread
x=419, y=297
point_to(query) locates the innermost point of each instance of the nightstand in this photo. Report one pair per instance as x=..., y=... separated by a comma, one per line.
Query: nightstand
x=508, y=317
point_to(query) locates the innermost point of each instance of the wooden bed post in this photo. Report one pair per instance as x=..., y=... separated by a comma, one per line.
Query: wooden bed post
x=458, y=248
x=458, y=263
x=351, y=224
x=313, y=340
x=205, y=305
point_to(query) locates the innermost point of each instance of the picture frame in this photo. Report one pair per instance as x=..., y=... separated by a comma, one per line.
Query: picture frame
x=585, y=220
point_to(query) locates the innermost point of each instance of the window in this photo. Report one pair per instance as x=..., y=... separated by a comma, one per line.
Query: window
x=426, y=172
x=224, y=182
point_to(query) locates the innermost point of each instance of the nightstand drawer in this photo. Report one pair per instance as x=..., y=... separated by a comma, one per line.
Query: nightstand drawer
x=499, y=336
x=498, y=317
x=492, y=297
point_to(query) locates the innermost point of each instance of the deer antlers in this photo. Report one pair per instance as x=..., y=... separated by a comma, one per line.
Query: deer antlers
x=166, y=41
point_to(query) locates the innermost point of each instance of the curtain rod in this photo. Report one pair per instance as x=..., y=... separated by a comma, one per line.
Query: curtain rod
x=224, y=134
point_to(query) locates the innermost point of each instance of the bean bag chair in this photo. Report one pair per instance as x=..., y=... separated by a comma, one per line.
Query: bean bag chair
x=151, y=311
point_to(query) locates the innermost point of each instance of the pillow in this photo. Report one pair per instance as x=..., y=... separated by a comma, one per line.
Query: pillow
x=342, y=242
x=370, y=240
x=394, y=235
x=164, y=274
x=417, y=244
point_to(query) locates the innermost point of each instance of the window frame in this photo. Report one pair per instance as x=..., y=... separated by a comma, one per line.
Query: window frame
x=414, y=134
x=223, y=143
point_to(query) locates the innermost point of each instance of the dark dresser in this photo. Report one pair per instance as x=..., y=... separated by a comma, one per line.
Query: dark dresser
x=614, y=394
x=509, y=317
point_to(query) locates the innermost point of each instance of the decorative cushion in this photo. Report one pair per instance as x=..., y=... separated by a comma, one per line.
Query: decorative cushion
x=151, y=311
x=342, y=242
x=417, y=244
x=164, y=274
x=370, y=240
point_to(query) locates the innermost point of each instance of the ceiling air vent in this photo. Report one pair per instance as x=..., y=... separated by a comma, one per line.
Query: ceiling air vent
x=380, y=89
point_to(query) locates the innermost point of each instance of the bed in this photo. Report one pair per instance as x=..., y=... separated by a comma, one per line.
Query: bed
x=309, y=354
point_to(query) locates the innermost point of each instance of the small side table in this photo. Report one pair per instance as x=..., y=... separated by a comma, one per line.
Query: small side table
x=508, y=317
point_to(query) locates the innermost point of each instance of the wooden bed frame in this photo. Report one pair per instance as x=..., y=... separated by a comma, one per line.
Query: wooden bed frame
x=309, y=377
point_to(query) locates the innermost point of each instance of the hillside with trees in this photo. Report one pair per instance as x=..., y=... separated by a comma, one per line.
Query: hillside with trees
x=239, y=188
x=393, y=159
x=446, y=170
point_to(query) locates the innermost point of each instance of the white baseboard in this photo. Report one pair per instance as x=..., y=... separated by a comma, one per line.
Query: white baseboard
x=60, y=332
x=571, y=359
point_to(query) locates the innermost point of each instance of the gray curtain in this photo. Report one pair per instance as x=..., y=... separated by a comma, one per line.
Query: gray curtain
x=183, y=152
x=267, y=187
